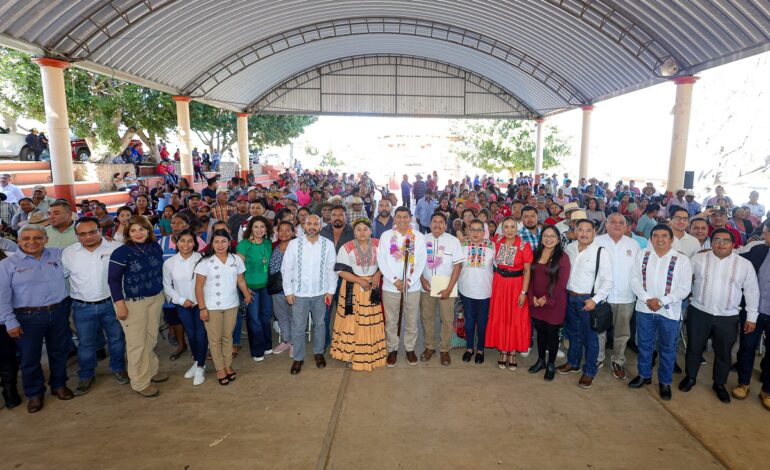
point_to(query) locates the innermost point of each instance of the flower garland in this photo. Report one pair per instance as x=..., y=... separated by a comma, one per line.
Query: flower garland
x=397, y=250
x=434, y=259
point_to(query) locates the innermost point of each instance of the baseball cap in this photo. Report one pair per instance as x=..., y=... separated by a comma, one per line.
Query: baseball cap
x=242, y=197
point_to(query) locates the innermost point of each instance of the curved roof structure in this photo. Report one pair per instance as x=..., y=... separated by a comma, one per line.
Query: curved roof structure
x=543, y=55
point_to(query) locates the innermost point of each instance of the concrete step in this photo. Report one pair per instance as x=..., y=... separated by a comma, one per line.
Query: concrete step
x=16, y=165
x=81, y=187
x=116, y=197
x=23, y=177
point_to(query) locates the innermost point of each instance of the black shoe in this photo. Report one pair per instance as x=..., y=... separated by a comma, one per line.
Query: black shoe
x=677, y=369
x=665, y=392
x=639, y=382
x=479, y=358
x=467, y=356
x=296, y=367
x=686, y=384
x=537, y=366
x=721, y=392
x=11, y=397
x=101, y=354
x=550, y=372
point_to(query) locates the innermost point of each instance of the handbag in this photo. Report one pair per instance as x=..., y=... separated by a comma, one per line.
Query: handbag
x=601, y=315
x=375, y=298
x=275, y=283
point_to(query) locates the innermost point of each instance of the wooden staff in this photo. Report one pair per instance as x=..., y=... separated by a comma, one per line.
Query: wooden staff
x=403, y=284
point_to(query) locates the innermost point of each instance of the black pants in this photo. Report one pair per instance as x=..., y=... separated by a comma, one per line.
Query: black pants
x=547, y=339
x=723, y=332
x=748, y=352
x=9, y=363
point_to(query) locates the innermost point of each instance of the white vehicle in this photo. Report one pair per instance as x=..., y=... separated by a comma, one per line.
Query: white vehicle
x=13, y=144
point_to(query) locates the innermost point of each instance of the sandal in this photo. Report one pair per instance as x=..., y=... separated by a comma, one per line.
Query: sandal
x=501, y=362
x=224, y=380
x=177, y=354
x=512, y=361
x=232, y=376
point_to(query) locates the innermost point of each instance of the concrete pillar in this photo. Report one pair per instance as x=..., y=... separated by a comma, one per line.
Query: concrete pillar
x=676, y=162
x=58, y=127
x=183, y=137
x=539, y=150
x=243, y=144
x=585, y=141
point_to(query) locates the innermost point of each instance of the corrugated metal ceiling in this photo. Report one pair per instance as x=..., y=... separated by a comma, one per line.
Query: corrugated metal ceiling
x=593, y=48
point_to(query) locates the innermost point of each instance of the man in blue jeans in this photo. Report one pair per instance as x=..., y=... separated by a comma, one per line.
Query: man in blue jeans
x=661, y=279
x=34, y=307
x=586, y=288
x=86, y=263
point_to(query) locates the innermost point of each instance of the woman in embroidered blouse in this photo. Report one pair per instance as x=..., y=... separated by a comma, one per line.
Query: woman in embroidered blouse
x=359, y=327
x=509, y=328
x=475, y=286
x=281, y=308
x=548, y=298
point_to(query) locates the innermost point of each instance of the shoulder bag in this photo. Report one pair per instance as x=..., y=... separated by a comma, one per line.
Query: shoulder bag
x=601, y=315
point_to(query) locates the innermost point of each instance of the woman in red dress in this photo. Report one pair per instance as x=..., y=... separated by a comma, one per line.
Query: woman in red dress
x=509, y=328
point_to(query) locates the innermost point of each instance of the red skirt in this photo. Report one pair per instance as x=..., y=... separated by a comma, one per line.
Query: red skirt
x=508, y=327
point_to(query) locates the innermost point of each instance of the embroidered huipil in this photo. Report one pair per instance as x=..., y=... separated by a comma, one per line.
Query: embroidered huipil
x=667, y=278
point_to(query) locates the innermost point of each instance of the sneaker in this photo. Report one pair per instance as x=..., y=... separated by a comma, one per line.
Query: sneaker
x=599, y=364
x=84, y=386
x=525, y=353
x=269, y=351
x=567, y=369
x=560, y=354
x=191, y=371
x=586, y=381
x=149, y=392
x=740, y=392
x=121, y=377
x=281, y=348
x=618, y=371
x=159, y=377
x=764, y=397
x=200, y=375
x=258, y=359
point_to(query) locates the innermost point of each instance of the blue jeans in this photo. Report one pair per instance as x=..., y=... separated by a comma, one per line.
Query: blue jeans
x=299, y=311
x=650, y=326
x=196, y=332
x=258, y=315
x=581, y=337
x=90, y=321
x=214, y=165
x=54, y=328
x=476, y=312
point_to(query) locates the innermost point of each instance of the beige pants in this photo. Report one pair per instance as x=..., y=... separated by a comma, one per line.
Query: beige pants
x=621, y=325
x=219, y=329
x=141, y=330
x=391, y=302
x=446, y=309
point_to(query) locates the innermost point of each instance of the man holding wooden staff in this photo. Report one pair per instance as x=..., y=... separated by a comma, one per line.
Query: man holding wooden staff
x=401, y=256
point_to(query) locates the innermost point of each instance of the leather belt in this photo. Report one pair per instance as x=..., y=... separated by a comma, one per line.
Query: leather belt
x=509, y=273
x=108, y=299
x=47, y=308
x=577, y=295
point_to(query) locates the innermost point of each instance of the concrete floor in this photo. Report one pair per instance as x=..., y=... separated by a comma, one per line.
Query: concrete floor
x=464, y=416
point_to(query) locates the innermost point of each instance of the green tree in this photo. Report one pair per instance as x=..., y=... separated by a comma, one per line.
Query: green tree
x=328, y=160
x=505, y=144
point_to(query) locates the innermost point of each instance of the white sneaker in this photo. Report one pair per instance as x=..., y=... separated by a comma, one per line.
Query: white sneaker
x=269, y=351
x=525, y=353
x=258, y=359
x=200, y=375
x=560, y=354
x=191, y=372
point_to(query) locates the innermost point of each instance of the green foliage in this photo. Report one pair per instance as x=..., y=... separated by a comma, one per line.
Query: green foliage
x=505, y=144
x=267, y=129
x=328, y=160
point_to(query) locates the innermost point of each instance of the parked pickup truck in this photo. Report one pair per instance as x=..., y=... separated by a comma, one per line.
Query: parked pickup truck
x=14, y=145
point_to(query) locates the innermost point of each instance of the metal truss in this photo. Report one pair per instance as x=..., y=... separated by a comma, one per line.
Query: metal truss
x=244, y=58
x=263, y=103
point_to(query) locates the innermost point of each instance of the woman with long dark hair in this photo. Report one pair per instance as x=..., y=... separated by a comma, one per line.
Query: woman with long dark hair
x=256, y=249
x=548, y=298
x=219, y=276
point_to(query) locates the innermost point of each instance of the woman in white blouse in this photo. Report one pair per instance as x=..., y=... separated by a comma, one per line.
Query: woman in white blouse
x=219, y=276
x=359, y=328
x=179, y=287
x=475, y=286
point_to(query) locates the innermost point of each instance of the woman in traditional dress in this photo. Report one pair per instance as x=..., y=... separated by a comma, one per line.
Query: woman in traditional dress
x=509, y=328
x=475, y=286
x=359, y=329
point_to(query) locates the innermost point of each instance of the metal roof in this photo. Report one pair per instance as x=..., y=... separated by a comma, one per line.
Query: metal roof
x=548, y=55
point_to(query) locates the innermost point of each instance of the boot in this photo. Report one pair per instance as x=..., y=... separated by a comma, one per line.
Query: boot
x=10, y=389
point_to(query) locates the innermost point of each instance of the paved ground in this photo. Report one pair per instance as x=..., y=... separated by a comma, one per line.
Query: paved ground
x=465, y=416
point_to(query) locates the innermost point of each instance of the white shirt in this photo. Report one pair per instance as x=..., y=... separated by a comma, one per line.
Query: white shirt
x=623, y=261
x=476, y=276
x=757, y=210
x=179, y=278
x=687, y=245
x=583, y=268
x=446, y=247
x=221, y=287
x=656, y=279
x=87, y=270
x=308, y=268
x=393, y=268
x=12, y=192
x=718, y=284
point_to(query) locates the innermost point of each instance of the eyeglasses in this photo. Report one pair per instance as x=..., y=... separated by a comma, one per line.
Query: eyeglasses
x=85, y=234
x=721, y=241
x=680, y=219
x=477, y=230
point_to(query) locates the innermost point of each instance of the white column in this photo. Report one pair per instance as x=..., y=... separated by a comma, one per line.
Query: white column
x=58, y=126
x=539, y=150
x=183, y=137
x=678, y=158
x=585, y=141
x=243, y=144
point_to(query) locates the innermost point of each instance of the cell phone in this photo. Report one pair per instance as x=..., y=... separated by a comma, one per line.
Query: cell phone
x=327, y=301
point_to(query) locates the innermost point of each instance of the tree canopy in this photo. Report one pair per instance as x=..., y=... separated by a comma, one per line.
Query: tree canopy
x=505, y=144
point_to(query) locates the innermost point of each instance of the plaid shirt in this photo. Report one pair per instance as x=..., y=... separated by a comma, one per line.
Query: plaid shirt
x=353, y=215
x=6, y=212
x=530, y=238
x=222, y=212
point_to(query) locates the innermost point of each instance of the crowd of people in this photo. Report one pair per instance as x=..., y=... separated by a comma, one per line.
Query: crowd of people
x=539, y=264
